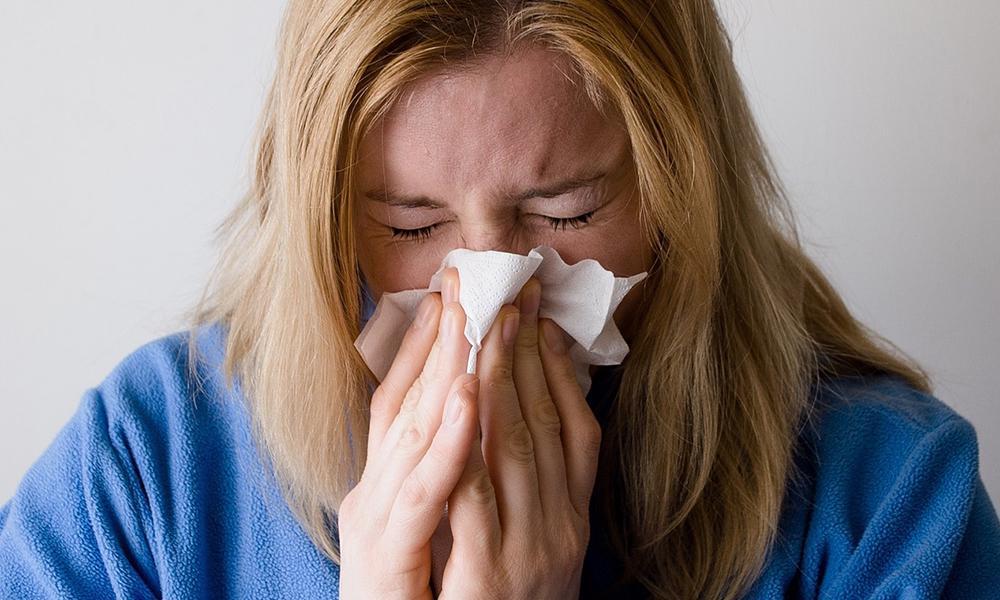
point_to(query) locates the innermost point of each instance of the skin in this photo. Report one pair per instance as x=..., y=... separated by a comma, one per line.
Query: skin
x=470, y=142
x=518, y=496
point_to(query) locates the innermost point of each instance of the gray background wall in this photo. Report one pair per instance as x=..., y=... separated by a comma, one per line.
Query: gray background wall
x=126, y=134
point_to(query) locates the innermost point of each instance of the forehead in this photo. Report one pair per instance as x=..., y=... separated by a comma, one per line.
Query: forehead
x=505, y=120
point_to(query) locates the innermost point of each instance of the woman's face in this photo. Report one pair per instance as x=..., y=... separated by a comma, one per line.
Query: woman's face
x=507, y=156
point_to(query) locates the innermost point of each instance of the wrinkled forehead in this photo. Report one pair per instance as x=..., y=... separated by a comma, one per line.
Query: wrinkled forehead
x=516, y=118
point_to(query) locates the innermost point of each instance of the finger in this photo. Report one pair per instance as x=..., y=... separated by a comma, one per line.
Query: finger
x=423, y=403
x=507, y=444
x=452, y=356
x=417, y=508
x=537, y=405
x=412, y=359
x=434, y=369
x=420, y=413
x=413, y=367
x=581, y=431
x=473, y=509
x=420, y=337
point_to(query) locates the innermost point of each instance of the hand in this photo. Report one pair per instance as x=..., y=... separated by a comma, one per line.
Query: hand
x=519, y=515
x=414, y=458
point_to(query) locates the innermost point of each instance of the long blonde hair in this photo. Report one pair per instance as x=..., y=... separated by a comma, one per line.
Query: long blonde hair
x=739, y=323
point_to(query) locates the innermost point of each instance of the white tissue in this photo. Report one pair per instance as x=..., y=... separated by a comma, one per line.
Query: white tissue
x=581, y=298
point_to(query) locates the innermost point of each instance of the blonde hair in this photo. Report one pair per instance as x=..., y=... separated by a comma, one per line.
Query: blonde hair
x=739, y=324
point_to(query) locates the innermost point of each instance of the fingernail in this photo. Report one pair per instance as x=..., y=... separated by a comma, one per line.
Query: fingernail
x=553, y=337
x=509, y=332
x=451, y=291
x=532, y=297
x=426, y=308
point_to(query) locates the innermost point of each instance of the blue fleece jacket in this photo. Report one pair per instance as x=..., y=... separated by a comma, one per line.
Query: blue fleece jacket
x=145, y=493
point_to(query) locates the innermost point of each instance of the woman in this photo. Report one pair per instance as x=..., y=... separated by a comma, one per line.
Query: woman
x=758, y=441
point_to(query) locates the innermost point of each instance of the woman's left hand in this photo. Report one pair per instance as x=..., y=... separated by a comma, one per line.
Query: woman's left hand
x=519, y=514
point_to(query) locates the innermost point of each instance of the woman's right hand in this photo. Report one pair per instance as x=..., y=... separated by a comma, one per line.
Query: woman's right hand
x=415, y=456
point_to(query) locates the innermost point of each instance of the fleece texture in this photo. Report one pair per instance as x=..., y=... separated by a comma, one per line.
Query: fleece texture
x=154, y=489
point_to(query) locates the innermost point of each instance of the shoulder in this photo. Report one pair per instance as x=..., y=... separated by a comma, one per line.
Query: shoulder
x=208, y=486
x=168, y=414
x=171, y=415
x=169, y=420
x=110, y=498
x=163, y=367
x=871, y=436
x=866, y=433
x=881, y=402
x=154, y=482
x=159, y=389
x=886, y=489
x=183, y=437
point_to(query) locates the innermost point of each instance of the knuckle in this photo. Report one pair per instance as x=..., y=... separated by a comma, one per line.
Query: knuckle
x=413, y=436
x=415, y=491
x=500, y=371
x=572, y=541
x=519, y=444
x=412, y=397
x=527, y=340
x=546, y=416
x=499, y=386
x=398, y=566
x=481, y=491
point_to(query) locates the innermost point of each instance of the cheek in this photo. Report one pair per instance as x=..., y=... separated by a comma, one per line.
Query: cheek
x=616, y=242
x=389, y=266
x=392, y=268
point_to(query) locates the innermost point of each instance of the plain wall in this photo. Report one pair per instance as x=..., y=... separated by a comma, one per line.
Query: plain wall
x=126, y=133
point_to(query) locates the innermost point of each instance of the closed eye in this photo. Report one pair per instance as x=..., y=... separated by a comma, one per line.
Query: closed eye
x=575, y=222
x=413, y=234
x=422, y=233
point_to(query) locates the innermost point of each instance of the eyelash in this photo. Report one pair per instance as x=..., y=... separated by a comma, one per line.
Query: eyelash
x=425, y=232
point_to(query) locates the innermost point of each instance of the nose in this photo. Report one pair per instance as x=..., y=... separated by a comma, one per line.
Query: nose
x=495, y=235
x=481, y=246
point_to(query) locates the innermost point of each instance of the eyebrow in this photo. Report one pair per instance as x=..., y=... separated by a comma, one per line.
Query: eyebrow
x=394, y=198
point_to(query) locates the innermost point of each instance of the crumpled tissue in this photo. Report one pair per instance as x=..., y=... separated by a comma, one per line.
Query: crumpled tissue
x=581, y=298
